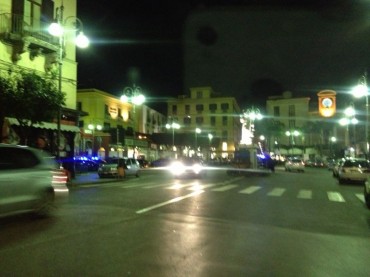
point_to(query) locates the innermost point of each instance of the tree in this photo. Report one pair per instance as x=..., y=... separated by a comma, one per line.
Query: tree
x=31, y=99
x=271, y=128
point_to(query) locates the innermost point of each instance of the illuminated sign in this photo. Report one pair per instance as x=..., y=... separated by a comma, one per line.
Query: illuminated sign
x=327, y=102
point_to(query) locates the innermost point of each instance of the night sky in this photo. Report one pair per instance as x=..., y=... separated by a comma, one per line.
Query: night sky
x=325, y=46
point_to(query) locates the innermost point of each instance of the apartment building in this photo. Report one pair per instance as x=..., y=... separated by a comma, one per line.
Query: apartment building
x=310, y=133
x=115, y=128
x=213, y=114
x=25, y=44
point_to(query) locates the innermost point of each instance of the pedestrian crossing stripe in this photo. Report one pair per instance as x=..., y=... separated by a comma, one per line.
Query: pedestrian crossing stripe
x=276, y=192
x=250, y=190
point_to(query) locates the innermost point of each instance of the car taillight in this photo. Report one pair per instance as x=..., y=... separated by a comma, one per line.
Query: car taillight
x=60, y=179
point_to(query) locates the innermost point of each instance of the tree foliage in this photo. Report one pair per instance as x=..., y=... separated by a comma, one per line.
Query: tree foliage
x=30, y=98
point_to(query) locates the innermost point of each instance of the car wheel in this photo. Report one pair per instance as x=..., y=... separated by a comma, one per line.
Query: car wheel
x=341, y=181
x=137, y=174
x=45, y=205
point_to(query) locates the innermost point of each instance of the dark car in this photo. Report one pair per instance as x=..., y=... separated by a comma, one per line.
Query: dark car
x=30, y=181
x=111, y=166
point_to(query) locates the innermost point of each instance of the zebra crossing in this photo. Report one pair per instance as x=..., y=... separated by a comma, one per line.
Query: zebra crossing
x=231, y=186
x=273, y=192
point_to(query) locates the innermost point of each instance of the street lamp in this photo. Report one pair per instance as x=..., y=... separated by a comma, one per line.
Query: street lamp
x=173, y=126
x=92, y=128
x=57, y=29
x=210, y=137
x=197, y=131
x=291, y=135
x=134, y=96
x=349, y=118
x=359, y=91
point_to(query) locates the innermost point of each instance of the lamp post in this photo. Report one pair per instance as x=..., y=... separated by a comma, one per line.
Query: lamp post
x=210, y=137
x=92, y=128
x=291, y=135
x=359, y=91
x=58, y=29
x=349, y=118
x=197, y=131
x=134, y=96
x=173, y=126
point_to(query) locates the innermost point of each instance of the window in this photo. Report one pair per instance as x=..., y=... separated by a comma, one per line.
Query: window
x=277, y=111
x=291, y=111
x=79, y=106
x=120, y=113
x=187, y=120
x=291, y=123
x=32, y=13
x=199, y=120
x=225, y=107
x=224, y=121
x=199, y=94
x=106, y=110
x=213, y=107
x=213, y=121
x=187, y=109
x=199, y=108
x=224, y=135
x=174, y=109
x=11, y=158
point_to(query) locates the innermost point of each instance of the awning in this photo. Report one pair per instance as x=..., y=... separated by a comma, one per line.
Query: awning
x=47, y=125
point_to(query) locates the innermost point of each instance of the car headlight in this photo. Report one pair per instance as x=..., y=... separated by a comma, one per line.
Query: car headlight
x=197, y=168
x=177, y=168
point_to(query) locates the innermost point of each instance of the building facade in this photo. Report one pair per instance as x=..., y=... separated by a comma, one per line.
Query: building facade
x=25, y=44
x=114, y=128
x=211, y=114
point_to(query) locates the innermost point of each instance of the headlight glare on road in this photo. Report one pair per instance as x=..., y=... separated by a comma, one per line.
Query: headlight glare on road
x=177, y=168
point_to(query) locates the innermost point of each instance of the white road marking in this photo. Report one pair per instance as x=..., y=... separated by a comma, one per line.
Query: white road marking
x=305, y=194
x=174, y=200
x=335, y=196
x=201, y=187
x=225, y=188
x=361, y=197
x=276, y=192
x=250, y=190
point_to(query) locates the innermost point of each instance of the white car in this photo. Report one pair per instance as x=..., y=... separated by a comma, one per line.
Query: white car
x=295, y=164
x=354, y=170
x=191, y=167
x=30, y=181
x=110, y=167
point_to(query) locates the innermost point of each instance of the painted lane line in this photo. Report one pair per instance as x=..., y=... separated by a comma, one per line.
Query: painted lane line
x=304, y=194
x=201, y=187
x=225, y=188
x=335, y=196
x=250, y=190
x=174, y=200
x=361, y=197
x=276, y=192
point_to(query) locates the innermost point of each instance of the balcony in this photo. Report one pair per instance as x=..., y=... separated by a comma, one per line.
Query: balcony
x=15, y=30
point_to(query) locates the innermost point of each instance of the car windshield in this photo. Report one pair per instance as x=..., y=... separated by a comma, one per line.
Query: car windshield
x=350, y=163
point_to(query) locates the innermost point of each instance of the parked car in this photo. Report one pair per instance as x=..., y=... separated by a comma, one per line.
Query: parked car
x=191, y=167
x=30, y=181
x=338, y=163
x=110, y=168
x=354, y=170
x=295, y=164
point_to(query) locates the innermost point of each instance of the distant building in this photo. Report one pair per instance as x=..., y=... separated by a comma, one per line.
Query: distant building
x=213, y=114
x=114, y=128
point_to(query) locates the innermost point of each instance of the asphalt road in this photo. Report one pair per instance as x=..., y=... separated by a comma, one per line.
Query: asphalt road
x=284, y=224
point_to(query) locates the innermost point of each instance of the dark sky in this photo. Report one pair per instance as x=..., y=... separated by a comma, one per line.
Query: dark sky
x=148, y=36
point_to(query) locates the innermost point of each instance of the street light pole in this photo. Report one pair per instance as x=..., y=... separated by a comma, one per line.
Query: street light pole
x=359, y=91
x=134, y=96
x=173, y=126
x=197, y=131
x=57, y=29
